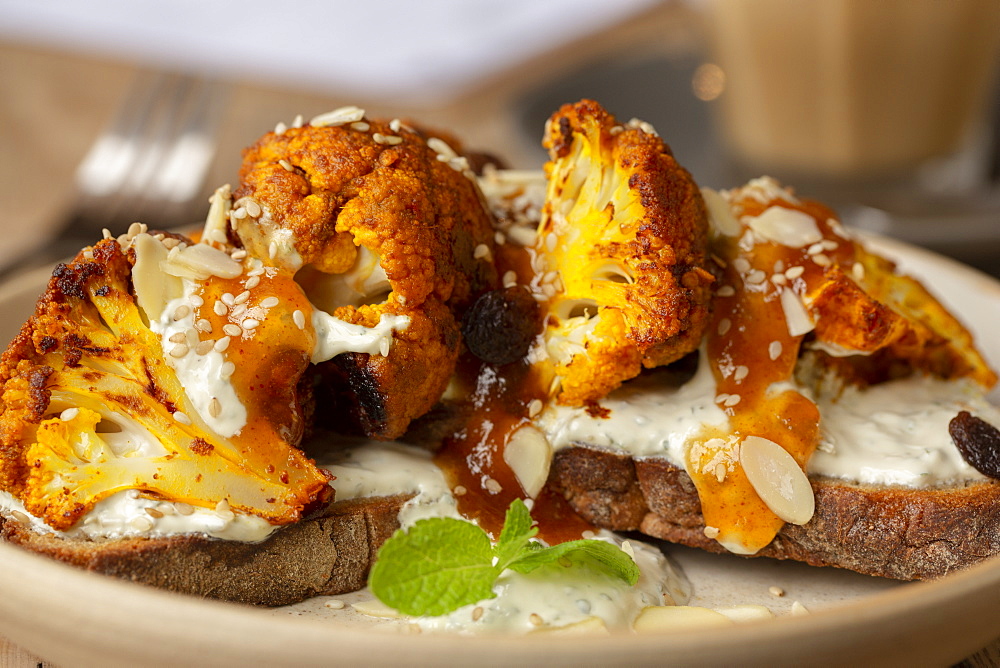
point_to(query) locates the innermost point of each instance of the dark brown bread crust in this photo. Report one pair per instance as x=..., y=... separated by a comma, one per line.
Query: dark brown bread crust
x=890, y=532
x=321, y=556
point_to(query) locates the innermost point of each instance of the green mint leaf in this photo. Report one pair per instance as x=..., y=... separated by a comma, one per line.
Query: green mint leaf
x=597, y=554
x=515, y=535
x=437, y=566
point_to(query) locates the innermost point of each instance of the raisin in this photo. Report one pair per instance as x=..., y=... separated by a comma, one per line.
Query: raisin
x=978, y=442
x=501, y=325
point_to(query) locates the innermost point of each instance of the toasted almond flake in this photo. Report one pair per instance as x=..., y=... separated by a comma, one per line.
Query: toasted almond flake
x=388, y=140
x=221, y=345
x=69, y=414
x=785, y=226
x=299, y=318
x=106, y=233
x=339, y=116
x=232, y=330
x=778, y=479
x=678, y=618
x=529, y=455
x=270, y=302
x=182, y=417
x=797, y=319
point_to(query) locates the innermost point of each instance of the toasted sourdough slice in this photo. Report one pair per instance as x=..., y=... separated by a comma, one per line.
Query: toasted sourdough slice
x=327, y=554
x=892, y=532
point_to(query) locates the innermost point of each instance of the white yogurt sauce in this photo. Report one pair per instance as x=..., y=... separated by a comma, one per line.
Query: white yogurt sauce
x=334, y=336
x=200, y=375
x=555, y=595
x=894, y=433
x=124, y=515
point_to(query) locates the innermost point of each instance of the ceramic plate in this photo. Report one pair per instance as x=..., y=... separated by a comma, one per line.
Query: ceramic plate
x=76, y=618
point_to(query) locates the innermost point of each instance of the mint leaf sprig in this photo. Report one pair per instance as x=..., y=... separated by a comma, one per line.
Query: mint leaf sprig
x=442, y=564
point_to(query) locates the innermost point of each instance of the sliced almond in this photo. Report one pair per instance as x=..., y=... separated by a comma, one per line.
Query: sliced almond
x=529, y=456
x=720, y=216
x=201, y=261
x=797, y=318
x=660, y=618
x=785, y=226
x=376, y=608
x=745, y=613
x=778, y=479
x=585, y=627
x=153, y=290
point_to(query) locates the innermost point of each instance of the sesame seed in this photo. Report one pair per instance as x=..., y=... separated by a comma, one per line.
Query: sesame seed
x=741, y=264
x=170, y=243
x=240, y=213
x=335, y=604
x=106, y=232
x=223, y=506
x=536, y=619
x=551, y=241
x=154, y=513
x=253, y=208
x=535, y=407
x=20, y=517
x=178, y=337
x=383, y=346
x=252, y=282
x=197, y=301
x=132, y=494
x=794, y=272
x=242, y=297
x=269, y=302
x=180, y=350
x=232, y=330
x=166, y=508
x=340, y=116
x=774, y=350
x=204, y=347
x=287, y=166
x=220, y=308
x=821, y=259
x=272, y=250
x=711, y=532
x=720, y=471
x=815, y=248
x=255, y=272
x=492, y=486
x=182, y=417
x=732, y=400
x=755, y=277
x=741, y=373
x=482, y=250
x=587, y=533
x=297, y=121
x=510, y=279
x=203, y=326
x=214, y=407
x=221, y=345
x=183, y=508
x=395, y=124
x=779, y=279
x=280, y=128
x=459, y=490
x=237, y=312
x=299, y=318
x=388, y=140
x=776, y=591
x=182, y=312
x=228, y=369
x=250, y=323
x=360, y=126
x=724, y=326
x=499, y=238
x=239, y=254
x=69, y=414
x=858, y=271
x=726, y=291
x=141, y=523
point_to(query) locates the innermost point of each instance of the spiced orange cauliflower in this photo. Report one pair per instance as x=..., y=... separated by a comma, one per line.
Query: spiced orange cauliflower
x=93, y=402
x=377, y=220
x=620, y=254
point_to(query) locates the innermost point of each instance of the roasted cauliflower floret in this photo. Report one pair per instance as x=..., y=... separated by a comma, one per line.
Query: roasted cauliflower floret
x=620, y=254
x=376, y=220
x=130, y=378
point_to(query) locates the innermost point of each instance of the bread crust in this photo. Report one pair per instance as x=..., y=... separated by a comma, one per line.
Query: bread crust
x=892, y=532
x=327, y=554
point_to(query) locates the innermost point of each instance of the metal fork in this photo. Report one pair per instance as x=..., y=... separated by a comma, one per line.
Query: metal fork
x=148, y=165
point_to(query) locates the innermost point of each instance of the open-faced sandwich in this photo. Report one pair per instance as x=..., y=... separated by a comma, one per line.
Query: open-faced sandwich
x=599, y=346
